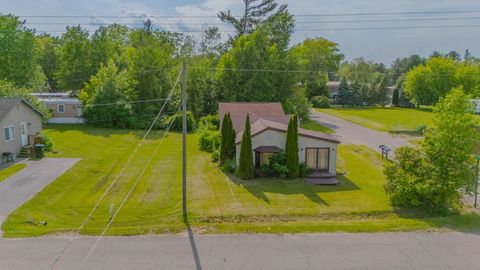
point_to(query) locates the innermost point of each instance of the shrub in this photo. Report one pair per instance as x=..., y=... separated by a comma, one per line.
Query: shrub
x=229, y=166
x=278, y=165
x=304, y=170
x=209, y=120
x=215, y=155
x=321, y=102
x=47, y=142
x=422, y=128
x=177, y=122
x=209, y=140
x=280, y=170
x=208, y=134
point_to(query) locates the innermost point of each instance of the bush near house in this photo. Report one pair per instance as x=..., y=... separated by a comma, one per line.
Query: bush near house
x=208, y=134
x=321, y=102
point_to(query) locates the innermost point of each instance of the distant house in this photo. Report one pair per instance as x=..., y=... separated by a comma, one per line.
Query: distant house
x=65, y=108
x=20, y=123
x=333, y=87
x=476, y=103
x=269, y=125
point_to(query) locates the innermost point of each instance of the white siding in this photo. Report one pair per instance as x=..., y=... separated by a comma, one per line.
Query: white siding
x=276, y=138
x=20, y=113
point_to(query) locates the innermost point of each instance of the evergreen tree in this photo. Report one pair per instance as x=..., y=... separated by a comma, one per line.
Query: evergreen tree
x=230, y=142
x=227, y=146
x=255, y=13
x=224, y=138
x=344, y=93
x=291, y=148
x=396, y=97
x=245, y=168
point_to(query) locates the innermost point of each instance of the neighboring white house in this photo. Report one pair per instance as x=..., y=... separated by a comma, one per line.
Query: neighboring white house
x=20, y=123
x=65, y=109
x=269, y=126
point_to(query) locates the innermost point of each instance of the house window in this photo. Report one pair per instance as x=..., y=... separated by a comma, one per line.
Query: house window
x=9, y=133
x=61, y=108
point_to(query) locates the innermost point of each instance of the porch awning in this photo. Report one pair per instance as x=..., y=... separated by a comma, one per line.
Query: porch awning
x=267, y=149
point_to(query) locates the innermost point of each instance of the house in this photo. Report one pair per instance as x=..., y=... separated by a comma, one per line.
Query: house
x=332, y=87
x=20, y=123
x=65, y=108
x=269, y=125
x=476, y=104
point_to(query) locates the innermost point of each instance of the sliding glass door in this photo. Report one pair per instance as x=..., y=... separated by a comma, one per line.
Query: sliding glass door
x=317, y=158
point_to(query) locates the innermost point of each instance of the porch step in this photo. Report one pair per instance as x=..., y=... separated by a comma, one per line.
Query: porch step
x=320, y=175
x=26, y=152
x=323, y=181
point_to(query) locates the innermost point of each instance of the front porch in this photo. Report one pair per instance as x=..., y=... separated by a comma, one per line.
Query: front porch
x=322, y=178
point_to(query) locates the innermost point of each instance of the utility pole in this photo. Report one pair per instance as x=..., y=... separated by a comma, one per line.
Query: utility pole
x=476, y=181
x=184, y=139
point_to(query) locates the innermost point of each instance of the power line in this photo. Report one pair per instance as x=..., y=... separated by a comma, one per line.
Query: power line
x=304, y=30
x=237, y=16
x=127, y=196
x=116, y=178
x=227, y=24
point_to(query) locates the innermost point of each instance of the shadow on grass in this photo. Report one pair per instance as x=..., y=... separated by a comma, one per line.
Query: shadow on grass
x=411, y=133
x=463, y=222
x=260, y=186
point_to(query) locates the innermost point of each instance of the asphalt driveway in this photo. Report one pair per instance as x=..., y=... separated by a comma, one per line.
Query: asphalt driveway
x=22, y=186
x=350, y=133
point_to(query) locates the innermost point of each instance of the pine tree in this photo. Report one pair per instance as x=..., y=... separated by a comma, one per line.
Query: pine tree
x=230, y=140
x=291, y=148
x=344, y=93
x=396, y=97
x=245, y=168
x=224, y=139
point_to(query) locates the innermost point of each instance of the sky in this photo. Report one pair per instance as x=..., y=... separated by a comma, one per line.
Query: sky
x=381, y=45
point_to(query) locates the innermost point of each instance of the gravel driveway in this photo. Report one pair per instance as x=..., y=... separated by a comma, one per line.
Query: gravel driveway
x=22, y=186
x=350, y=133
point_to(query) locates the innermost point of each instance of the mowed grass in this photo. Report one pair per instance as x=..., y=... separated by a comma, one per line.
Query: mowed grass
x=217, y=203
x=312, y=125
x=385, y=119
x=7, y=172
x=154, y=207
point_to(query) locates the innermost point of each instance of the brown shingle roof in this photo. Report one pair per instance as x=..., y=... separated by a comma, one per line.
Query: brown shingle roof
x=262, y=125
x=8, y=103
x=272, y=111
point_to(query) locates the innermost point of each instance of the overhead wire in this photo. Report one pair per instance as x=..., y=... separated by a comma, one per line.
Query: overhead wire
x=84, y=222
x=127, y=196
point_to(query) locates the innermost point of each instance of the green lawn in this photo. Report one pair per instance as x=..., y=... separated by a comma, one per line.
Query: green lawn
x=217, y=203
x=385, y=119
x=312, y=125
x=7, y=172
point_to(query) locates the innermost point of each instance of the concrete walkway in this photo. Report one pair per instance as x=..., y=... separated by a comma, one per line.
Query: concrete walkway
x=20, y=187
x=436, y=251
x=350, y=133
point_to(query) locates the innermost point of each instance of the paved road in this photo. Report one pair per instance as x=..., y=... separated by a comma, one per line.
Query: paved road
x=436, y=251
x=22, y=186
x=351, y=133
